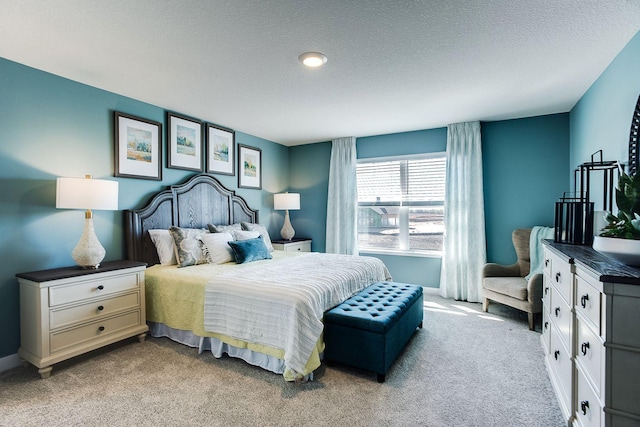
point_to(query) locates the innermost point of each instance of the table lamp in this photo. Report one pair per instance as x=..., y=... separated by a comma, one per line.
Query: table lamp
x=90, y=194
x=287, y=202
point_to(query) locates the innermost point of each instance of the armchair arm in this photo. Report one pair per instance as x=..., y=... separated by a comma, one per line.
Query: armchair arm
x=499, y=270
x=534, y=288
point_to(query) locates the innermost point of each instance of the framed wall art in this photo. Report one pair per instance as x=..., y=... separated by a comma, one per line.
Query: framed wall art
x=138, y=147
x=184, y=143
x=221, y=150
x=249, y=167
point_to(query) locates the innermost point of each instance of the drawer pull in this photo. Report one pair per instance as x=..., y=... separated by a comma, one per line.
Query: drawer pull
x=584, y=405
x=101, y=328
x=546, y=290
x=546, y=263
x=100, y=287
x=546, y=325
x=100, y=307
x=556, y=354
x=557, y=311
x=583, y=300
x=558, y=277
x=584, y=347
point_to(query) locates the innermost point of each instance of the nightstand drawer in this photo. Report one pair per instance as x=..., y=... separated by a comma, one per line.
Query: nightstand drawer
x=74, y=337
x=293, y=246
x=87, y=312
x=90, y=289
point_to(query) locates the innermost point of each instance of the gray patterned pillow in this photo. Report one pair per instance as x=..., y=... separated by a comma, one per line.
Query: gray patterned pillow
x=263, y=232
x=224, y=228
x=188, y=246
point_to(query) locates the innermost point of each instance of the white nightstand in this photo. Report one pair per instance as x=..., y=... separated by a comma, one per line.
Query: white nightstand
x=299, y=244
x=66, y=312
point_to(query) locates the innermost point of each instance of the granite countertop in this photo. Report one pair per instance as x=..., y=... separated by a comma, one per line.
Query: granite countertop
x=606, y=268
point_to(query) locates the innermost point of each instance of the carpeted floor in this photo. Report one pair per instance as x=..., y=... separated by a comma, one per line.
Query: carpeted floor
x=465, y=368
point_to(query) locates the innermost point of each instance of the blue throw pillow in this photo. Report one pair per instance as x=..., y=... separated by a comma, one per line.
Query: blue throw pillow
x=249, y=250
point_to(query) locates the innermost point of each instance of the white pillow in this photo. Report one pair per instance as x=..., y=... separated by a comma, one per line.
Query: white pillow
x=245, y=235
x=263, y=232
x=164, y=246
x=216, y=247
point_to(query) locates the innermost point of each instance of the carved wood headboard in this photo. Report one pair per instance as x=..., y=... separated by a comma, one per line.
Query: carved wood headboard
x=200, y=201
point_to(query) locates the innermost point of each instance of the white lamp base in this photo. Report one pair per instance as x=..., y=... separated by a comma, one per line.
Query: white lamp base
x=88, y=253
x=287, y=232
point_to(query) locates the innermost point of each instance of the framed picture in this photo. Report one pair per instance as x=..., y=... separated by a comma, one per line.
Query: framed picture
x=138, y=147
x=221, y=150
x=249, y=167
x=184, y=143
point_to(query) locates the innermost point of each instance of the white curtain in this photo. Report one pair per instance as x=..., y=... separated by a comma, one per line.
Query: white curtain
x=464, y=239
x=342, y=220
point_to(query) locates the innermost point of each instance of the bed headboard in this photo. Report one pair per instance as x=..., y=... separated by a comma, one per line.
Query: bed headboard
x=200, y=201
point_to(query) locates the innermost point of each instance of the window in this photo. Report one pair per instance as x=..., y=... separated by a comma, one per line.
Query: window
x=401, y=203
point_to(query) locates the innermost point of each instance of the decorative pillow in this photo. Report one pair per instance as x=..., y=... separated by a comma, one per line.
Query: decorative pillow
x=164, y=246
x=188, y=247
x=245, y=235
x=249, y=250
x=224, y=228
x=263, y=232
x=216, y=249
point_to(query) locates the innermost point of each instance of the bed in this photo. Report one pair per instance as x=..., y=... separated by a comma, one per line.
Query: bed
x=267, y=312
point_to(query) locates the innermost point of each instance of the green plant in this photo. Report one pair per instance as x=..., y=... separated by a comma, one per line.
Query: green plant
x=626, y=224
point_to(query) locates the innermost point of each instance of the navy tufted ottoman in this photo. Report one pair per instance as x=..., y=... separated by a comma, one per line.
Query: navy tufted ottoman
x=370, y=329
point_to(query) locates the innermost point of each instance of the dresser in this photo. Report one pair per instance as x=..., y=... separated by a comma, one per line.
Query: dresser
x=69, y=311
x=300, y=244
x=591, y=335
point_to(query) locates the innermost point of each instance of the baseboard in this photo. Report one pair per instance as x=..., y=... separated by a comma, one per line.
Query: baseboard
x=9, y=362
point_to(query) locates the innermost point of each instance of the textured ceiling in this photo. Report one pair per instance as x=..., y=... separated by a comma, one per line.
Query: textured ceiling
x=393, y=65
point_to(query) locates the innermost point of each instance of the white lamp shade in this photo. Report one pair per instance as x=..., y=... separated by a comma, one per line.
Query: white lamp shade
x=86, y=193
x=286, y=201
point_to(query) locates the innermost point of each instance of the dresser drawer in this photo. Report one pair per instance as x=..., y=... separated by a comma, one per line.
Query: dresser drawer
x=589, y=354
x=546, y=293
x=588, y=409
x=90, y=289
x=87, y=312
x=77, y=336
x=561, y=316
x=546, y=332
x=561, y=277
x=589, y=303
x=561, y=368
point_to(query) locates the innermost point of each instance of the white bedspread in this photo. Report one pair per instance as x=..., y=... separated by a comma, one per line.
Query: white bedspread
x=282, y=304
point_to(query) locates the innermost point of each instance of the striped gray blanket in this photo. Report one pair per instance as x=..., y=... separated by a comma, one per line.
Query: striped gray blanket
x=281, y=305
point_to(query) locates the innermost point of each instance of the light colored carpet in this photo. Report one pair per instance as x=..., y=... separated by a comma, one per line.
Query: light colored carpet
x=465, y=368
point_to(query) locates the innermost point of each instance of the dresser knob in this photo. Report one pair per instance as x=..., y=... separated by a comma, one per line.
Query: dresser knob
x=546, y=263
x=558, y=277
x=546, y=290
x=101, y=328
x=546, y=325
x=100, y=287
x=584, y=405
x=556, y=354
x=583, y=300
x=100, y=307
x=584, y=347
x=557, y=311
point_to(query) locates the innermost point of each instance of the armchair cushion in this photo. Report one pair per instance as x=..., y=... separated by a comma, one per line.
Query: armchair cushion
x=515, y=287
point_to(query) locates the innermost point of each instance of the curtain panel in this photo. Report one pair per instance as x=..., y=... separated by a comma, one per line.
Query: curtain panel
x=464, y=236
x=342, y=203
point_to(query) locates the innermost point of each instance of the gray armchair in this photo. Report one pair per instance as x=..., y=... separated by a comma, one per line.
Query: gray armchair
x=507, y=284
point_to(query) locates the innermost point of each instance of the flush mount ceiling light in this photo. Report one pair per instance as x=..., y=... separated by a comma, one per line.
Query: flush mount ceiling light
x=313, y=59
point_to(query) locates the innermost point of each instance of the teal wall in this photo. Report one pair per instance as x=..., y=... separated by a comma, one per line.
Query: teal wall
x=601, y=120
x=50, y=127
x=525, y=170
